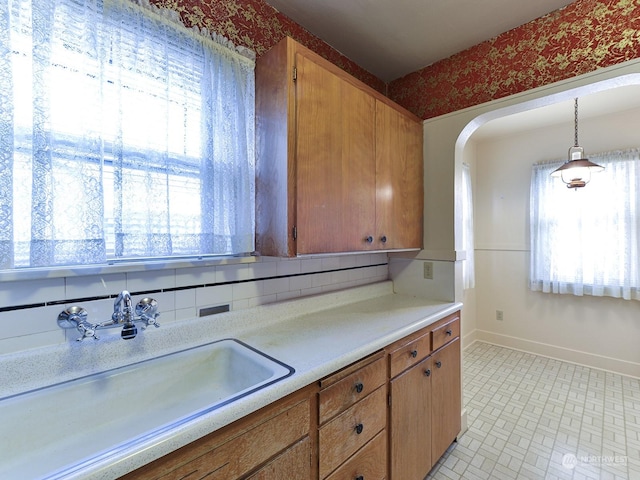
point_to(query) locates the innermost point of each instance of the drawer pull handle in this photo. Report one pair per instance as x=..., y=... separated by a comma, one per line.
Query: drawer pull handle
x=449, y=332
x=414, y=353
x=359, y=387
x=438, y=364
x=359, y=428
x=369, y=239
x=427, y=372
x=383, y=239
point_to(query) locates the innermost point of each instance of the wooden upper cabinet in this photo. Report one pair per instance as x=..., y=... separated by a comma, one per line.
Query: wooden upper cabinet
x=339, y=166
x=399, y=178
x=335, y=158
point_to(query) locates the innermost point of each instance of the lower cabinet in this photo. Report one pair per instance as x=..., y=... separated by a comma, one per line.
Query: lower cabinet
x=445, y=398
x=425, y=399
x=410, y=422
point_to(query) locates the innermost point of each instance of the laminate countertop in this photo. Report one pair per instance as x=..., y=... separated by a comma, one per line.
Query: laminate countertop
x=315, y=335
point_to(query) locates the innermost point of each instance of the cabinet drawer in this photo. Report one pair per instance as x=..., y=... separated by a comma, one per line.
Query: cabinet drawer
x=341, y=395
x=444, y=334
x=370, y=462
x=351, y=430
x=410, y=354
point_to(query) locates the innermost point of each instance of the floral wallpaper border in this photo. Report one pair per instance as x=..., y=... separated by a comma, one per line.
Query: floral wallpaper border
x=582, y=37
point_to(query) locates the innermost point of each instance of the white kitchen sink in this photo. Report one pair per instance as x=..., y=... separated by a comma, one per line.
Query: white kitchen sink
x=53, y=431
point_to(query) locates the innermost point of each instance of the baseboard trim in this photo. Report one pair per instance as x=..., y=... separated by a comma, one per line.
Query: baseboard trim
x=586, y=359
x=469, y=339
x=464, y=425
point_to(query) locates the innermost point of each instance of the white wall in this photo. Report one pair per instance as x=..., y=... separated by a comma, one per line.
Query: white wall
x=29, y=308
x=601, y=332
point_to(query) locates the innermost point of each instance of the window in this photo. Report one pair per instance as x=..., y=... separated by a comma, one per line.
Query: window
x=587, y=241
x=468, y=265
x=123, y=135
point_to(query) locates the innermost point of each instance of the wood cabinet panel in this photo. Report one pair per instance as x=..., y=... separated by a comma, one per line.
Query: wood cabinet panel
x=446, y=397
x=335, y=161
x=342, y=394
x=345, y=434
x=410, y=423
x=399, y=179
x=245, y=452
x=370, y=462
x=275, y=145
x=295, y=462
x=241, y=447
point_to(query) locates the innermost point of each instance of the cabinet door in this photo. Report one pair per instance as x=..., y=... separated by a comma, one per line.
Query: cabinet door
x=410, y=423
x=295, y=462
x=446, y=397
x=399, y=191
x=334, y=160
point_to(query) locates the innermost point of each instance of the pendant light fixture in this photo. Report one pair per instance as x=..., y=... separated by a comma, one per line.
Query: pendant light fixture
x=576, y=172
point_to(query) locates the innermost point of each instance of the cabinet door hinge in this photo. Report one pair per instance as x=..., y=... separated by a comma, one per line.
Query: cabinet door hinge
x=295, y=233
x=295, y=74
x=389, y=399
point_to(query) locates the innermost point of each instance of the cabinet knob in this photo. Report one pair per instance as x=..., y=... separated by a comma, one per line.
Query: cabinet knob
x=427, y=372
x=449, y=332
x=360, y=477
x=359, y=387
x=414, y=353
x=438, y=364
x=369, y=239
x=383, y=239
x=359, y=428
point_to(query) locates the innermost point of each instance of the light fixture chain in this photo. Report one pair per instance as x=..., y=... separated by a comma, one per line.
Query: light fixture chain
x=576, y=122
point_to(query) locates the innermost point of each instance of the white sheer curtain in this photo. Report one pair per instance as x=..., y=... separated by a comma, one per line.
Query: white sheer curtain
x=468, y=265
x=123, y=135
x=587, y=241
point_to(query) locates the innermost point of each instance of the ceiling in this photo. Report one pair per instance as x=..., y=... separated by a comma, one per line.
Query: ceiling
x=391, y=38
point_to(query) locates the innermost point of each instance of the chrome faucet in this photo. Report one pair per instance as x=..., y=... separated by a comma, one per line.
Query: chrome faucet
x=123, y=314
x=146, y=311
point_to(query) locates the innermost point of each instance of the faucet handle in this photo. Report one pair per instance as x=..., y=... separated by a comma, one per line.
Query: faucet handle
x=150, y=321
x=87, y=330
x=76, y=317
x=147, y=311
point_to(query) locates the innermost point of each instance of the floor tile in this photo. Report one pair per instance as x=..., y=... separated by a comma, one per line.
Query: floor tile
x=532, y=417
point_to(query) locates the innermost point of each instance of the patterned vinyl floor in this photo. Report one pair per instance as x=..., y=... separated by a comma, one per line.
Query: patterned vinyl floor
x=532, y=417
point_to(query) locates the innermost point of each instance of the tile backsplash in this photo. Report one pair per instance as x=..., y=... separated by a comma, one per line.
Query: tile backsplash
x=29, y=308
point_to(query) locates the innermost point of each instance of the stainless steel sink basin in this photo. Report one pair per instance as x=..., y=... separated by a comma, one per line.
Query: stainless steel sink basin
x=56, y=430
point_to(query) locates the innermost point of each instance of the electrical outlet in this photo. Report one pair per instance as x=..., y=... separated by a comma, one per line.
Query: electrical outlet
x=428, y=270
x=499, y=315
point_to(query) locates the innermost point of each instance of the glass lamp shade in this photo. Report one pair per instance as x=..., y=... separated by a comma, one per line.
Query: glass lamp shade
x=576, y=172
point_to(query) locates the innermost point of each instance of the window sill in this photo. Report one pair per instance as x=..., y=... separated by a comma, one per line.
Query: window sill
x=120, y=267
